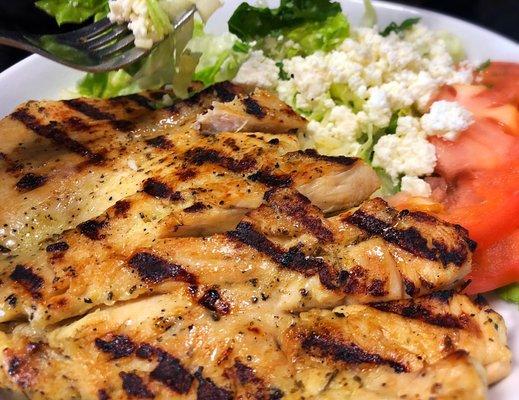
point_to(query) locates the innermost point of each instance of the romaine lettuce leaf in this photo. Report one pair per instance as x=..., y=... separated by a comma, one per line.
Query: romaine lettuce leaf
x=220, y=55
x=394, y=27
x=510, y=293
x=74, y=11
x=249, y=22
x=453, y=45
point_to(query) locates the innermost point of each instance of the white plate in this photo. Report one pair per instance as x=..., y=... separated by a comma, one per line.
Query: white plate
x=38, y=78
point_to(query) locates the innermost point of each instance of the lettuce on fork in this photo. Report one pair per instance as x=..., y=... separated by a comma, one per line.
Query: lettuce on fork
x=74, y=11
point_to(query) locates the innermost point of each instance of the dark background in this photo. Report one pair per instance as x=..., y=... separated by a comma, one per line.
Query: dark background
x=498, y=15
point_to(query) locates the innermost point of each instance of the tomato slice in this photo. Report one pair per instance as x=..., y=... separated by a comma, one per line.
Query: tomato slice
x=477, y=178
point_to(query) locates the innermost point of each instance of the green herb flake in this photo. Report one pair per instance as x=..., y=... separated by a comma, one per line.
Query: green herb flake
x=483, y=66
x=394, y=27
x=283, y=75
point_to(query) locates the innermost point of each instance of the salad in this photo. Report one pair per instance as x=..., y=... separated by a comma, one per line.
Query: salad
x=441, y=131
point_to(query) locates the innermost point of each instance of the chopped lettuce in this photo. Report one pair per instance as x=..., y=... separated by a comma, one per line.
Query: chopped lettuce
x=159, y=18
x=342, y=94
x=249, y=22
x=159, y=68
x=394, y=27
x=510, y=293
x=74, y=11
x=453, y=45
x=369, y=18
x=388, y=186
x=220, y=55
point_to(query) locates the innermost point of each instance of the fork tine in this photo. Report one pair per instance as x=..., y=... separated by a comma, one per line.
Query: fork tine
x=115, y=47
x=105, y=38
x=122, y=59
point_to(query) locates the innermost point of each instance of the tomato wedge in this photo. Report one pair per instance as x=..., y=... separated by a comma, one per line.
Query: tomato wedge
x=478, y=175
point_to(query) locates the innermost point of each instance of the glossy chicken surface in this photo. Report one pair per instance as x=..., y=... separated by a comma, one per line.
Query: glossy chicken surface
x=195, y=252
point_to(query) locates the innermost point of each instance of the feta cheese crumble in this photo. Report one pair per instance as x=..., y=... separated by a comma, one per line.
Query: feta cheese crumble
x=415, y=186
x=258, y=70
x=446, y=119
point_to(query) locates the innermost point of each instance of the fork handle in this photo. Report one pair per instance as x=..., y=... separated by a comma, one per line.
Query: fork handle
x=15, y=39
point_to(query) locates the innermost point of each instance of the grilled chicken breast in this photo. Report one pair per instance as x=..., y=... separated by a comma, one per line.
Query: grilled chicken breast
x=443, y=346
x=294, y=255
x=62, y=163
x=194, y=252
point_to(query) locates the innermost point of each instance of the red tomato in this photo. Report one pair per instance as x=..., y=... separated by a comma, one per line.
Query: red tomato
x=478, y=183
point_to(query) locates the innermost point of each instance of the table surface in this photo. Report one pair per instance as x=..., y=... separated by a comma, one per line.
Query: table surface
x=498, y=15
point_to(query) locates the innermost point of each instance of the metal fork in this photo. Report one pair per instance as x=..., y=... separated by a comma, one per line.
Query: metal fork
x=101, y=46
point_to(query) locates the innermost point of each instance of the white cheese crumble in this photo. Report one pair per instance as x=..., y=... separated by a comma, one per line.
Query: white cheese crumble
x=258, y=70
x=446, y=119
x=415, y=186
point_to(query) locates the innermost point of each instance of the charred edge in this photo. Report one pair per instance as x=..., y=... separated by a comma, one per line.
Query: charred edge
x=225, y=91
x=12, y=300
x=408, y=239
x=171, y=373
x=121, y=208
x=145, y=351
x=421, y=313
x=208, y=390
x=212, y=300
x=299, y=208
x=200, y=156
x=269, y=179
x=245, y=373
x=252, y=107
x=443, y=296
x=25, y=277
x=57, y=247
x=92, y=229
x=119, y=346
x=324, y=346
x=410, y=287
x=160, y=142
x=30, y=182
x=98, y=115
x=140, y=100
x=4, y=250
x=153, y=269
x=336, y=160
x=197, y=207
x=102, y=395
x=160, y=190
x=57, y=135
x=134, y=386
x=294, y=259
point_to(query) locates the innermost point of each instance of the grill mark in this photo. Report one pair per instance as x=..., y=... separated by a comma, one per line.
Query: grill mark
x=225, y=92
x=208, y=390
x=299, y=208
x=133, y=385
x=145, y=351
x=57, y=135
x=336, y=160
x=25, y=277
x=377, y=288
x=102, y=395
x=12, y=166
x=267, y=178
x=98, y=115
x=252, y=107
x=12, y=300
x=421, y=313
x=76, y=124
x=231, y=143
x=294, y=259
x=212, y=300
x=187, y=174
x=121, y=208
x=92, y=229
x=325, y=346
x=171, y=373
x=119, y=346
x=160, y=142
x=245, y=373
x=140, y=100
x=19, y=369
x=154, y=270
x=4, y=250
x=160, y=190
x=30, y=182
x=410, y=287
x=200, y=156
x=247, y=376
x=196, y=207
x=57, y=247
x=408, y=239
